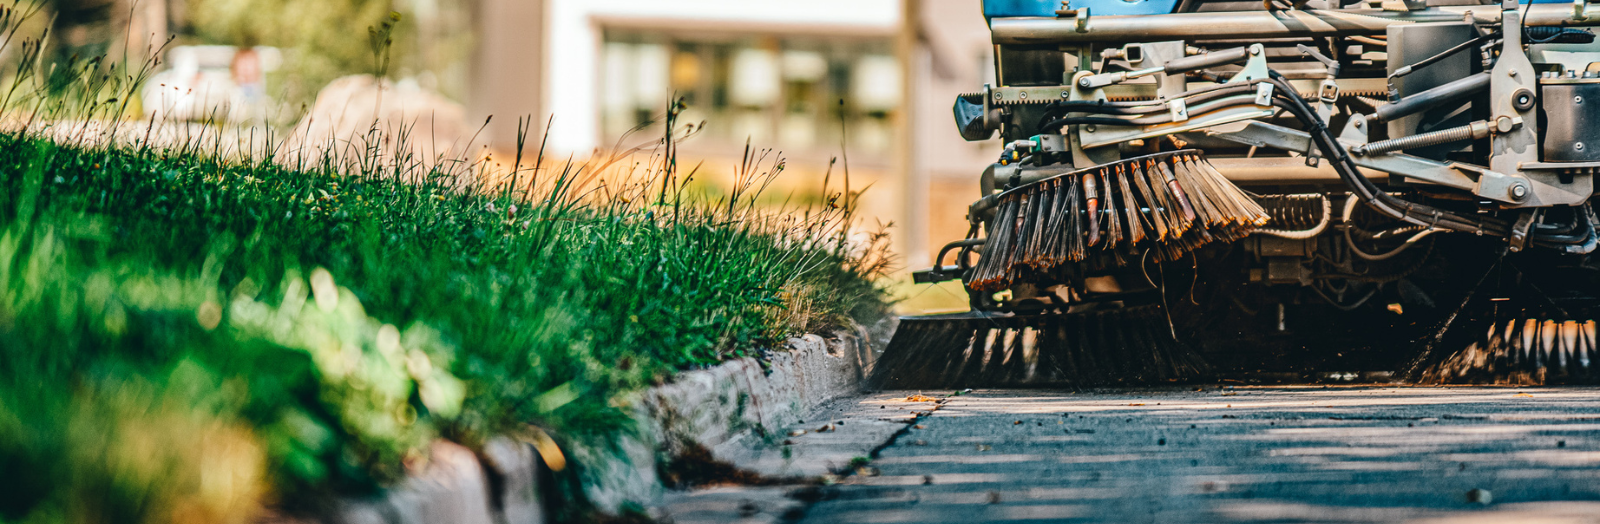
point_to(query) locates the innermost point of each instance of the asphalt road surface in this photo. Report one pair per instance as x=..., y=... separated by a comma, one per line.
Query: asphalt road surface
x=1244, y=454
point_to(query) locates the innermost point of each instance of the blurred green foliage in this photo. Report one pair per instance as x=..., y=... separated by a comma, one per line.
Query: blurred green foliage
x=327, y=39
x=156, y=394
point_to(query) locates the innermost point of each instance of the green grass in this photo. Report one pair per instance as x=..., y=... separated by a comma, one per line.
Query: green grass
x=333, y=317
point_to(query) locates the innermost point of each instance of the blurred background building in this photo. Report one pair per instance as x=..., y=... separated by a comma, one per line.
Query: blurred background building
x=867, y=81
x=871, y=80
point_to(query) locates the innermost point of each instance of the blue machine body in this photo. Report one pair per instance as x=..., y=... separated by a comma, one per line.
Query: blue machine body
x=1047, y=8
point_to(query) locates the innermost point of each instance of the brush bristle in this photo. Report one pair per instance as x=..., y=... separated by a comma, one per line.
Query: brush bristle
x=1165, y=205
x=1530, y=348
x=1115, y=346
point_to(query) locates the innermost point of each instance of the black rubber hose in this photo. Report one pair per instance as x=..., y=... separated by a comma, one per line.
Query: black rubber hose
x=1080, y=120
x=1143, y=107
x=1557, y=35
x=1587, y=233
x=1145, y=121
x=1369, y=192
x=1420, y=214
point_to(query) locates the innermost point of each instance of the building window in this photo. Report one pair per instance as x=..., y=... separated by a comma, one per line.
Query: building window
x=781, y=92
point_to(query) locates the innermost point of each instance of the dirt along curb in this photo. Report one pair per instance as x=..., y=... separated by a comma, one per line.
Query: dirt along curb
x=718, y=421
x=745, y=420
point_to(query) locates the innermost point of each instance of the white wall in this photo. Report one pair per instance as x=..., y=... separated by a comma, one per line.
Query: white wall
x=573, y=40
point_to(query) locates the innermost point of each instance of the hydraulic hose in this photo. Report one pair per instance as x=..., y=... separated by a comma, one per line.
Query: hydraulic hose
x=1349, y=210
x=1211, y=105
x=1141, y=107
x=1415, y=213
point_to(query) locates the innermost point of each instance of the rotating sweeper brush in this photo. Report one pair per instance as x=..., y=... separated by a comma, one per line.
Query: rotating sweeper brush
x=1518, y=327
x=1150, y=208
x=1124, y=345
x=1161, y=206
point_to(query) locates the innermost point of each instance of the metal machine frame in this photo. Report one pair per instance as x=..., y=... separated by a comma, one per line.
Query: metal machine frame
x=1512, y=165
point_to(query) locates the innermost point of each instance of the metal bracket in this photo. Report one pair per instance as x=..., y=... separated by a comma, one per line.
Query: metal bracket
x=1355, y=130
x=988, y=106
x=1082, y=155
x=1051, y=143
x=1080, y=16
x=1519, y=231
x=1512, y=82
x=1264, y=94
x=1179, y=109
x=1404, y=5
x=1580, y=10
x=1255, y=67
x=1328, y=92
x=1496, y=185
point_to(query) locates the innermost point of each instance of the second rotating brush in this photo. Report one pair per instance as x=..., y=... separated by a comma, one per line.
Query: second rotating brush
x=1166, y=204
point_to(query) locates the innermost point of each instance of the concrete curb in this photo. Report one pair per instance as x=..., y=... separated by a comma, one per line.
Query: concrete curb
x=724, y=409
x=455, y=487
x=728, y=409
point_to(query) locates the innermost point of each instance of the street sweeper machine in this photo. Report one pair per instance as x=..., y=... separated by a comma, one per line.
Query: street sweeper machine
x=1192, y=188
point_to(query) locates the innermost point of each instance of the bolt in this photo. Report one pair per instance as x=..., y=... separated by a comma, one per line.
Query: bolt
x=1084, y=83
x=1090, y=128
x=1063, y=95
x=1577, y=99
x=1577, y=146
x=1023, y=95
x=1512, y=72
x=1519, y=191
x=1358, y=124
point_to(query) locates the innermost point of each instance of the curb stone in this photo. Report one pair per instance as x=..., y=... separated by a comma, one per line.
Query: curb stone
x=739, y=410
x=455, y=488
x=726, y=409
